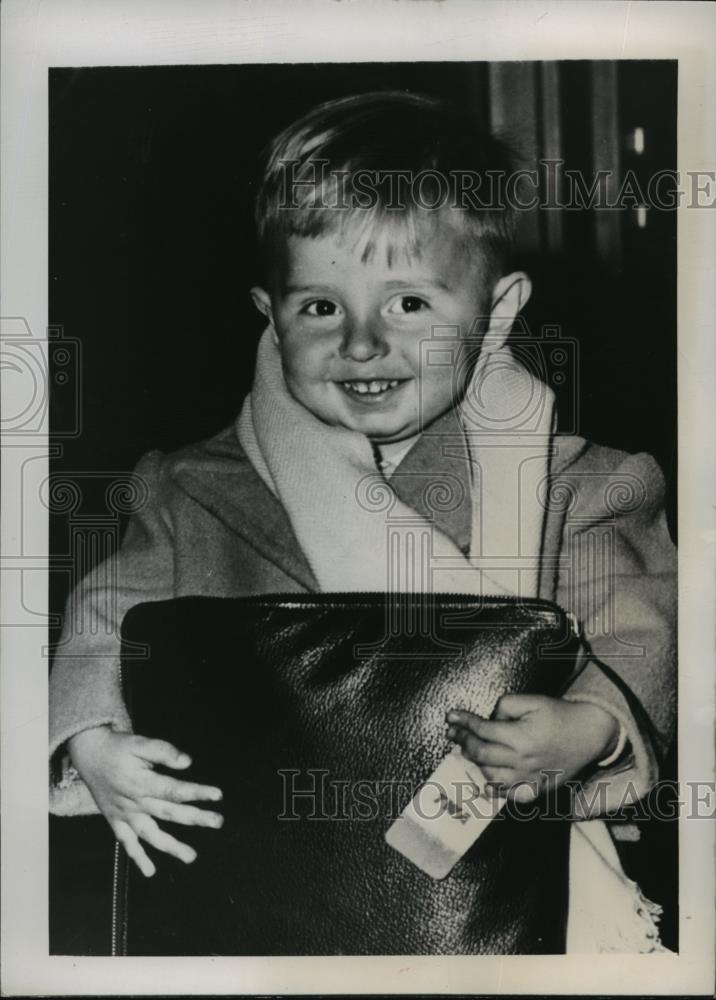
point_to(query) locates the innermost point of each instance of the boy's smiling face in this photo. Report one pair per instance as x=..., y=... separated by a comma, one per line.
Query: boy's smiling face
x=350, y=331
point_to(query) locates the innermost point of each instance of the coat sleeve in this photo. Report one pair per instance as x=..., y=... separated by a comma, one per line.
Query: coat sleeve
x=619, y=577
x=84, y=680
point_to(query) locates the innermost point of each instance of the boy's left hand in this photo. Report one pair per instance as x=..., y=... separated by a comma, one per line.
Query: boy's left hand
x=529, y=735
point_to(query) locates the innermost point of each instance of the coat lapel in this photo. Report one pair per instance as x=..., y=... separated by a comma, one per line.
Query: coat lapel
x=218, y=475
x=434, y=479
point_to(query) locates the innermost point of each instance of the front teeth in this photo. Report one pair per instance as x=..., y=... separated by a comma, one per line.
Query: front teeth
x=373, y=388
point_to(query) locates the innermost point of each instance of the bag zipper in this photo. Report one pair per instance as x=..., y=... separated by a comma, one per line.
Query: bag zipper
x=348, y=598
x=329, y=598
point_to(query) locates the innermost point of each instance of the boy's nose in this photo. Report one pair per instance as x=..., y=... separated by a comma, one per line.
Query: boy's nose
x=362, y=342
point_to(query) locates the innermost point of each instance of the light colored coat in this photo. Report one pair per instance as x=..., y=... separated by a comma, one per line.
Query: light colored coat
x=210, y=526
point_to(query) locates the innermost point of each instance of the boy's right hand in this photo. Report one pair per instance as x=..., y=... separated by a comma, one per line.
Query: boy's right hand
x=118, y=769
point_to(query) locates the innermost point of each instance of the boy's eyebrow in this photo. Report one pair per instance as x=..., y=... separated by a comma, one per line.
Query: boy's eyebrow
x=431, y=282
x=295, y=289
x=395, y=283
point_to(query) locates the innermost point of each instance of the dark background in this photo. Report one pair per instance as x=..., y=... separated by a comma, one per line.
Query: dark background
x=152, y=174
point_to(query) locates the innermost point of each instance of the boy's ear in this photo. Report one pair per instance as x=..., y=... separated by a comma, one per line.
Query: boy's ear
x=262, y=301
x=509, y=297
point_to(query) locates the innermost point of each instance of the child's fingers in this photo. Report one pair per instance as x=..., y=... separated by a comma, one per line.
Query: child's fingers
x=186, y=815
x=484, y=729
x=514, y=706
x=505, y=783
x=161, y=752
x=525, y=791
x=173, y=790
x=498, y=781
x=146, y=828
x=130, y=842
x=480, y=752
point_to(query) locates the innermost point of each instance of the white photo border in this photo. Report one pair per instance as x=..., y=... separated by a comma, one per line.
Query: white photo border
x=36, y=36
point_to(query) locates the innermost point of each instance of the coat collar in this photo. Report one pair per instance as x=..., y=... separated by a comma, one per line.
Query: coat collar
x=433, y=479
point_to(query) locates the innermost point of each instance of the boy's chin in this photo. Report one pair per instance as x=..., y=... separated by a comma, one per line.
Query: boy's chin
x=406, y=432
x=379, y=433
x=388, y=438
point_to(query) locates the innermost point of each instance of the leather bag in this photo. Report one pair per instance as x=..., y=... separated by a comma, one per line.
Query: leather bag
x=341, y=697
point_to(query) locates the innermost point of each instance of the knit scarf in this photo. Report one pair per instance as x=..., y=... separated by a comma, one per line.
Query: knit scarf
x=358, y=535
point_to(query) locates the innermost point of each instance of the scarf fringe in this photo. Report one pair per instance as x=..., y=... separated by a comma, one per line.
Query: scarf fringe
x=640, y=935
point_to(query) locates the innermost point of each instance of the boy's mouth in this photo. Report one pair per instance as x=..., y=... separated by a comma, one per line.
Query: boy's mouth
x=372, y=387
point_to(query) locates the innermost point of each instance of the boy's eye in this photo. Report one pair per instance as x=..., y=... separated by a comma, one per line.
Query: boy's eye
x=409, y=304
x=321, y=307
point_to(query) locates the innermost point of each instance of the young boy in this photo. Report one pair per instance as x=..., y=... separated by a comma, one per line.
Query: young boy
x=383, y=229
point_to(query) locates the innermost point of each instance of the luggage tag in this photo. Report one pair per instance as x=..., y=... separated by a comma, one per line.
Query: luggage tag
x=445, y=816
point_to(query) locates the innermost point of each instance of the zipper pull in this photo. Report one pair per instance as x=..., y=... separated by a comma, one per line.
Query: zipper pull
x=572, y=619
